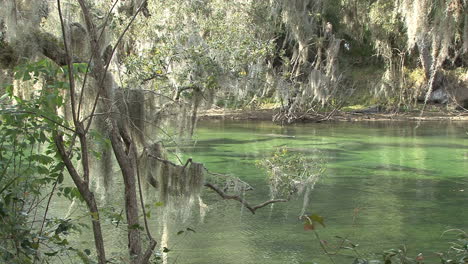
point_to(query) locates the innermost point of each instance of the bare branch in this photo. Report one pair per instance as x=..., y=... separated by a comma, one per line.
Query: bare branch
x=241, y=200
x=68, y=163
x=269, y=202
x=224, y=195
x=152, y=77
x=78, y=125
x=149, y=251
x=159, y=94
x=187, y=162
x=164, y=160
x=148, y=232
x=71, y=76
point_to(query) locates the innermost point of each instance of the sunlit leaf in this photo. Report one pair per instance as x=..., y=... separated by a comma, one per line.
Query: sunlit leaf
x=317, y=219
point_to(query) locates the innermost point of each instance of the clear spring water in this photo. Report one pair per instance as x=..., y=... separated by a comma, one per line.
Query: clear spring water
x=407, y=183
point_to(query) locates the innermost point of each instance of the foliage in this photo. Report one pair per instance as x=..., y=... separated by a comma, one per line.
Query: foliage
x=237, y=52
x=311, y=221
x=289, y=172
x=188, y=44
x=31, y=170
x=457, y=253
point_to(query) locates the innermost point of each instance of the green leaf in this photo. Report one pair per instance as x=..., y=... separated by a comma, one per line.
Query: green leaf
x=26, y=76
x=60, y=178
x=136, y=226
x=318, y=219
x=80, y=67
x=95, y=216
x=43, y=159
x=75, y=193
x=165, y=250
x=18, y=75
x=9, y=90
x=3, y=97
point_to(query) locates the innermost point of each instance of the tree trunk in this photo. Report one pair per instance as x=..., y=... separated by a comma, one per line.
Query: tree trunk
x=88, y=196
x=119, y=136
x=126, y=158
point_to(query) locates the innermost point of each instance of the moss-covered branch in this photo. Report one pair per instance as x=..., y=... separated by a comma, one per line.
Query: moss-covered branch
x=31, y=44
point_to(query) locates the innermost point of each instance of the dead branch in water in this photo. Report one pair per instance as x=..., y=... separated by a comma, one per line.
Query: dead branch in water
x=222, y=193
x=252, y=209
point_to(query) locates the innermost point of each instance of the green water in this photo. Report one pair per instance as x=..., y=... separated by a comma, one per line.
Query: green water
x=408, y=181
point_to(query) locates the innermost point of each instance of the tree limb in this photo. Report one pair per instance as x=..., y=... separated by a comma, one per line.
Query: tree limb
x=252, y=209
x=88, y=197
x=123, y=151
x=47, y=44
x=149, y=252
x=224, y=195
x=152, y=77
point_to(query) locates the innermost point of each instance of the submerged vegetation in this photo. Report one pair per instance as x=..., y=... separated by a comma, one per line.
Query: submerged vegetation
x=93, y=89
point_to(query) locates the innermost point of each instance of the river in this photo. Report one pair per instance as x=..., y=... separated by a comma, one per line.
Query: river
x=407, y=184
x=386, y=184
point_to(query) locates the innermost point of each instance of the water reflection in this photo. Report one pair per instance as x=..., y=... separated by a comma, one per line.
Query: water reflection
x=404, y=182
x=402, y=179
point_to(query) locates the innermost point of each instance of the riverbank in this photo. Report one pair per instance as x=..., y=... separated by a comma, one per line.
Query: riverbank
x=432, y=114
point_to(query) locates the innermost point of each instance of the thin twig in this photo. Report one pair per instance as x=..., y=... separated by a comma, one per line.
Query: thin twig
x=145, y=257
x=187, y=162
x=320, y=242
x=71, y=76
x=152, y=77
x=159, y=94
x=48, y=206
x=148, y=233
